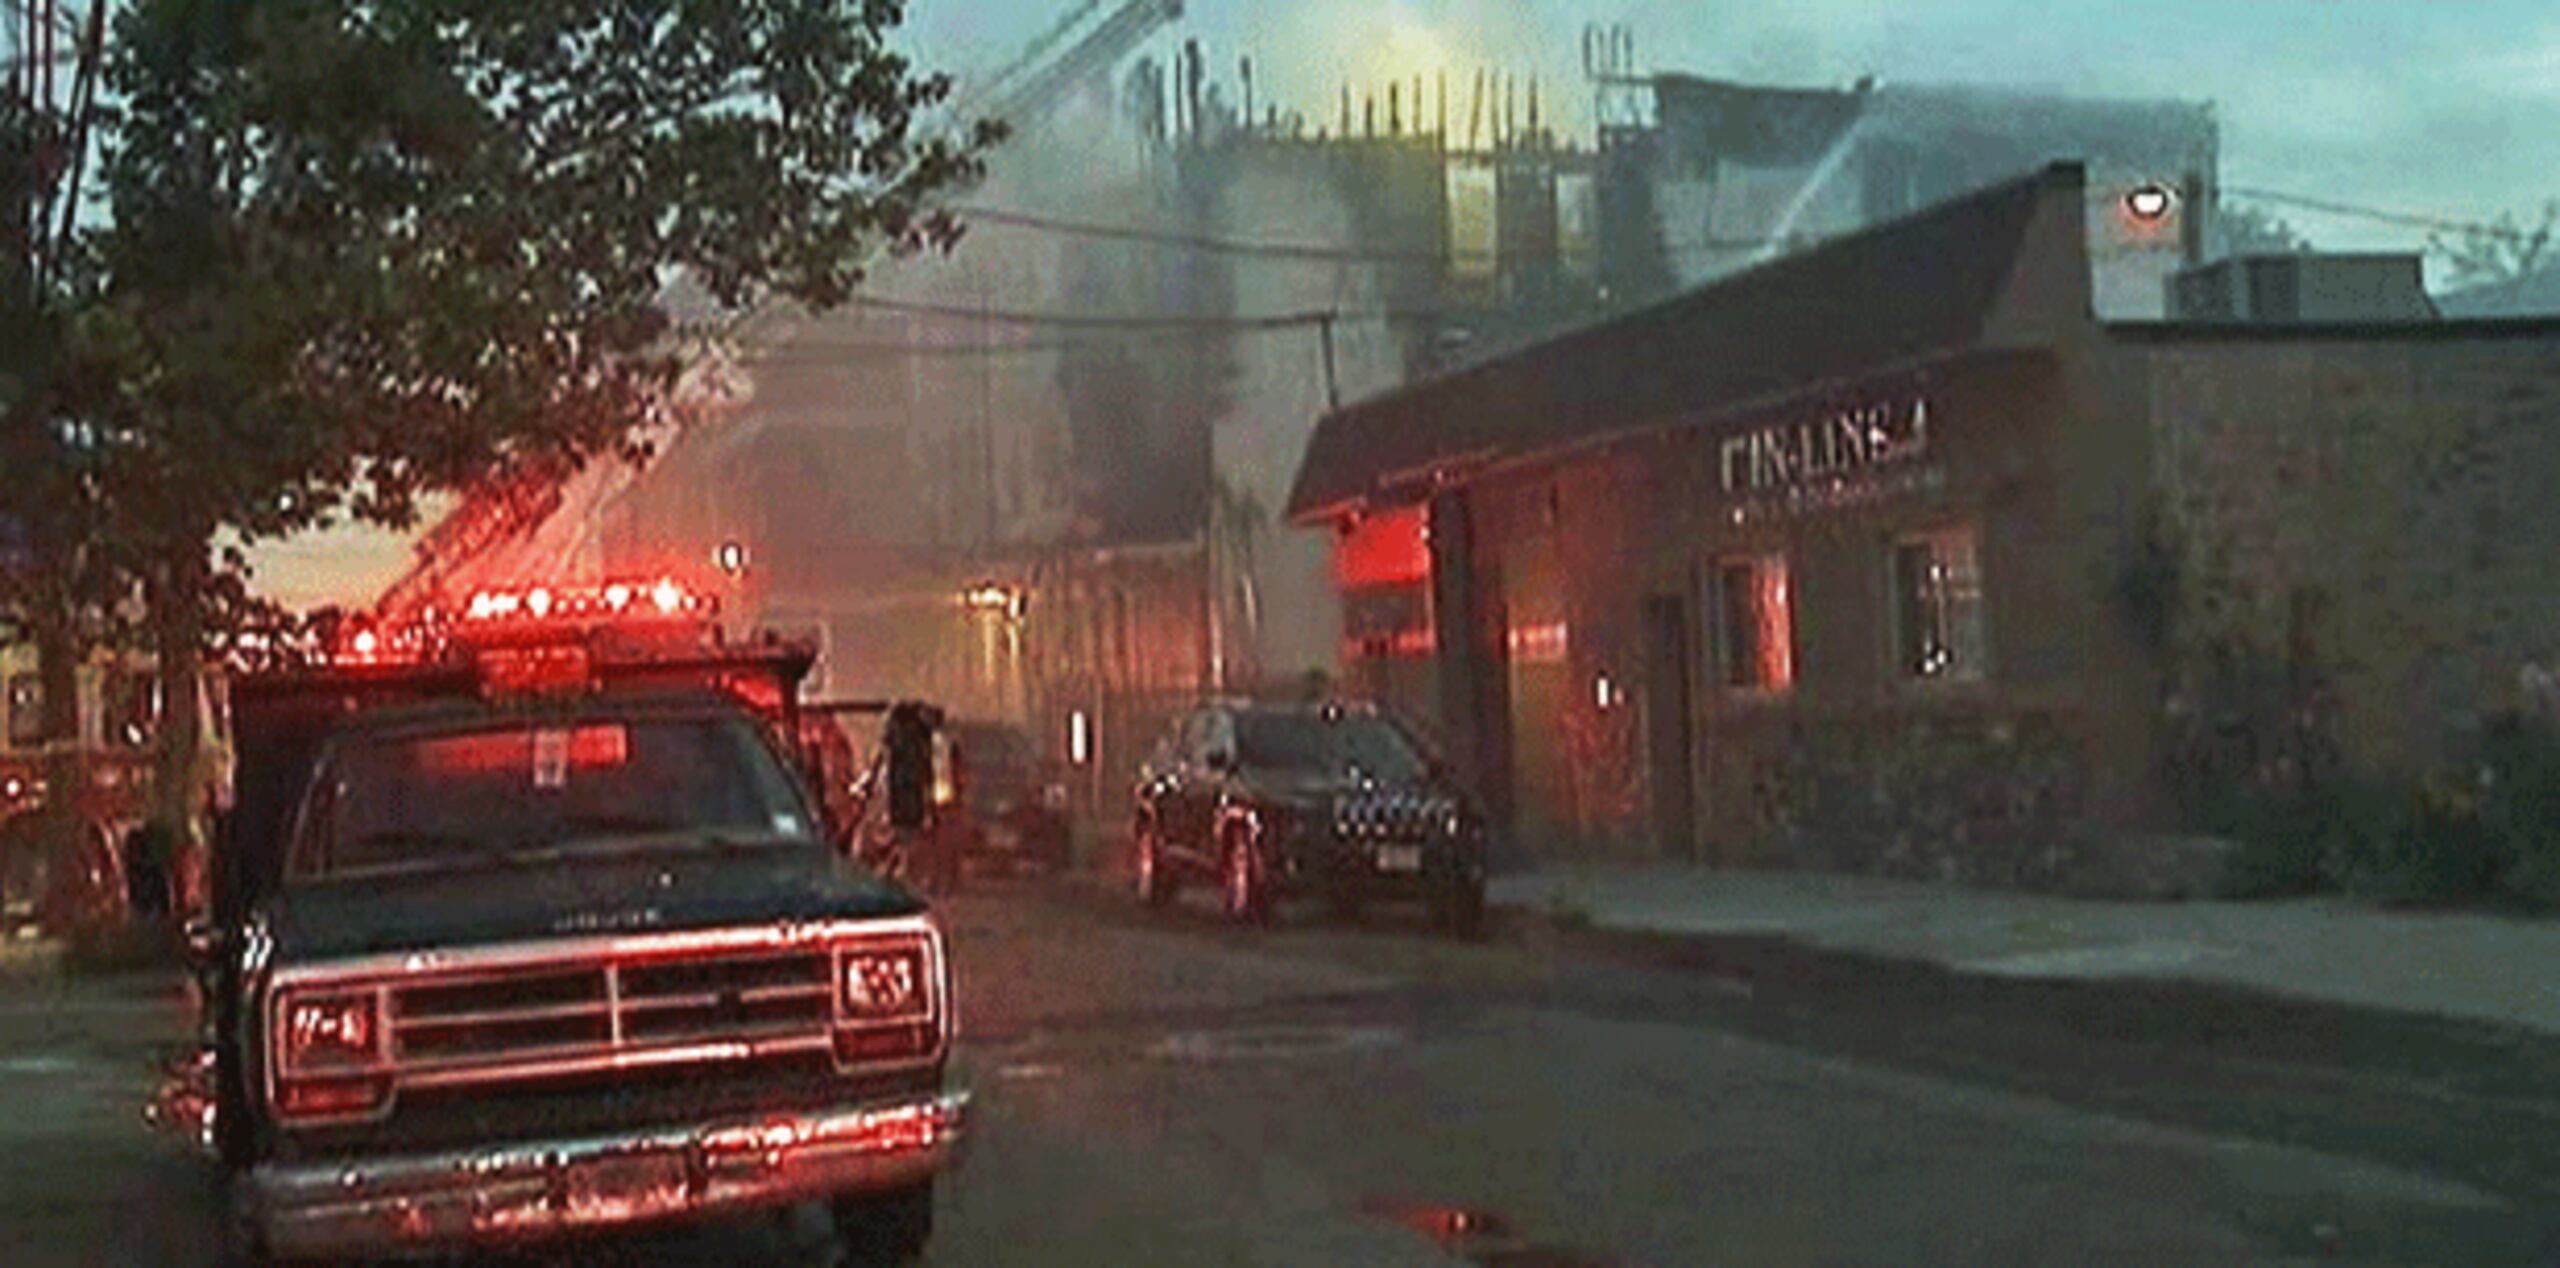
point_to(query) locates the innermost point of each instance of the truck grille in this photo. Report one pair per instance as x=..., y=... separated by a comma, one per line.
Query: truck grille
x=588, y=1009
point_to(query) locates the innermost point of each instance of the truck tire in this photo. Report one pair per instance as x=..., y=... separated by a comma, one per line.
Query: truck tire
x=884, y=1230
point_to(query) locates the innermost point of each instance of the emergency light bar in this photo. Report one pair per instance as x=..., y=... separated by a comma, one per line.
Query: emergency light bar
x=540, y=614
x=639, y=600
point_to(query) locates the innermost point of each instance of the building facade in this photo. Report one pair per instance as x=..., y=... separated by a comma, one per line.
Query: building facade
x=1893, y=556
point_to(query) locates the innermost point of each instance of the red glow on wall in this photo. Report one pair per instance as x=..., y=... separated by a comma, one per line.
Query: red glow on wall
x=1409, y=642
x=1538, y=644
x=1382, y=549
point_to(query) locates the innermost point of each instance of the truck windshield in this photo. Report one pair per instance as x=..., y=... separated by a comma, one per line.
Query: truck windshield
x=1311, y=742
x=509, y=793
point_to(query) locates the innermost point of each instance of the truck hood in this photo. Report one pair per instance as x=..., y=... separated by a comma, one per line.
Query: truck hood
x=575, y=897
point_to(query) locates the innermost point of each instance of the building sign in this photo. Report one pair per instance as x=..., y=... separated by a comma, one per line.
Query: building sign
x=1839, y=446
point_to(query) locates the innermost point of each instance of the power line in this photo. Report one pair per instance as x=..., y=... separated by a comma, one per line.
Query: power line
x=1314, y=253
x=800, y=350
x=1293, y=250
x=1202, y=321
x=2382, y=215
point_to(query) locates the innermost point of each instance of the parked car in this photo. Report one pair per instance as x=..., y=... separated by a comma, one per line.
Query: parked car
x=1270, y=801
x=1008, y=807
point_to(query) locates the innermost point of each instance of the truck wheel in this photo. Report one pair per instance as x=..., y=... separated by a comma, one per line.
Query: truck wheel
x=885, y=1230
x=1156, y=882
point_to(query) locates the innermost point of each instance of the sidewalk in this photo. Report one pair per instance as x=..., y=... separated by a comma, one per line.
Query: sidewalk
x=2481, y=967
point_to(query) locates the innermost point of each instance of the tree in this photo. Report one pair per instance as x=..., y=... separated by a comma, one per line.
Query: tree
x=358, y=251
x=2503, y=250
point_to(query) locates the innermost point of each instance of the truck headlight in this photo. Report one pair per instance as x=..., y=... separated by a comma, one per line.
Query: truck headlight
x=885, y=1002
x=883, y=985
x=327, y=1030
x=328, y=1048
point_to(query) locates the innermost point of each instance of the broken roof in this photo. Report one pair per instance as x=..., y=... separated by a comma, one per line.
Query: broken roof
x=1908, y=289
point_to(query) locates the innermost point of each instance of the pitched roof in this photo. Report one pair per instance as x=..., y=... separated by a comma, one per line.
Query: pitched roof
x=1906, y=289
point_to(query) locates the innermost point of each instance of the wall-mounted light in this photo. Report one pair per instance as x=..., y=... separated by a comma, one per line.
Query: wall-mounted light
x=1604, y=691
x=1079, y=738
x=2150, y=204
x=730, y=557
x=988, y=596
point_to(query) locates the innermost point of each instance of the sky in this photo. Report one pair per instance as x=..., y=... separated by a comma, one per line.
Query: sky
x=2449, y=107
x=2443, y=107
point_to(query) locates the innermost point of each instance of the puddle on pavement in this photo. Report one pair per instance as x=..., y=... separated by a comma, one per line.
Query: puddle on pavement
x=1478, y=1236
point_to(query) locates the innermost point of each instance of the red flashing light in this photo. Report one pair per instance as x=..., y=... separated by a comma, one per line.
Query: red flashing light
x=555, y=603
x=588, y=747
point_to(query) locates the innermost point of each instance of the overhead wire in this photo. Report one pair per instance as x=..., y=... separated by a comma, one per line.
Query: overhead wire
x=2445, y=224
x=1315, y=253
x=1177, y=325
x=1306, y=251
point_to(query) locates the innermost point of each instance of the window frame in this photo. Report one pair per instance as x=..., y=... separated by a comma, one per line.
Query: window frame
x=1721, y=649
x=26, y=726
x=1897, y=625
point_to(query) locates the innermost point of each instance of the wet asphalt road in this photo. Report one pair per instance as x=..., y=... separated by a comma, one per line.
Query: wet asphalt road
x=1159, y=1089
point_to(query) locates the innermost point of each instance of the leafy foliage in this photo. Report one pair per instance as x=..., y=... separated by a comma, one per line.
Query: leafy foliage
x=361, y=251
x=355, y=251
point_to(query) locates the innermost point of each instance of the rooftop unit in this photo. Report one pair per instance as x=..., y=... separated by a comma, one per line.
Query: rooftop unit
x=2307, y=288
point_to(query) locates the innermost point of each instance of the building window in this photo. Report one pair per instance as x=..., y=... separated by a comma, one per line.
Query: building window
x=133, y=708
x=26, y=710
x=1937, y=590
x=1756, y=623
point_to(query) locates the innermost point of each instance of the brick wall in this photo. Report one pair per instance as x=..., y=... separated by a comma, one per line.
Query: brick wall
x=2379, y=516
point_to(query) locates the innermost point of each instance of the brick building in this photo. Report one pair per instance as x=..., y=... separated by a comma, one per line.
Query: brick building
x=1892, y=556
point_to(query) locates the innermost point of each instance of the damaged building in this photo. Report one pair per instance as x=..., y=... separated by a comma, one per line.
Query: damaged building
x=1043, y=479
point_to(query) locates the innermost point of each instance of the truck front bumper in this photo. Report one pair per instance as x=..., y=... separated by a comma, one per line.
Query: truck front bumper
x=335, y=1208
